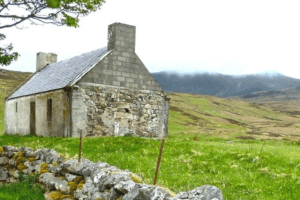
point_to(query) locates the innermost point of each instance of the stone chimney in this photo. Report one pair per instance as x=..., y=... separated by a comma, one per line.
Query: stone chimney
x=121, y=37
x=42, y=59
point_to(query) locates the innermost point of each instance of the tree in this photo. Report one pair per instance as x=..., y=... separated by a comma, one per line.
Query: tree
x=37, y=12
x=5, y=57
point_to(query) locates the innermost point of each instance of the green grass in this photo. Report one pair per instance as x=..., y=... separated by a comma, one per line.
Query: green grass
x=24, y=189
x=242, y=170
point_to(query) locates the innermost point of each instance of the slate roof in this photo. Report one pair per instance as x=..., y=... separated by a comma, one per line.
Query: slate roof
x=59, y=75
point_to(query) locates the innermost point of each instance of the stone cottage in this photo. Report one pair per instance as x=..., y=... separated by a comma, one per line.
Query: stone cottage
x=105, y=92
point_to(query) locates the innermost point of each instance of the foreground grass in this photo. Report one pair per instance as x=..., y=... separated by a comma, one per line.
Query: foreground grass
x=24, y=189
x=242, y=170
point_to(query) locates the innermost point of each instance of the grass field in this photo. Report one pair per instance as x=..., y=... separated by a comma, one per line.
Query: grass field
x=24, y=189
x=197, y=151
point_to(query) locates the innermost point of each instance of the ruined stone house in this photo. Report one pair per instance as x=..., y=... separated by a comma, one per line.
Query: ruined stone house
x=108, y=91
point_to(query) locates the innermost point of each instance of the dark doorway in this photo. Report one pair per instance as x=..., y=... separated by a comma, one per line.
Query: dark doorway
x=32, y=118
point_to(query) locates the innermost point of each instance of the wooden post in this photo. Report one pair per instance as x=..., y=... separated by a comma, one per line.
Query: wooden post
x=80, y=132
x=158, y=160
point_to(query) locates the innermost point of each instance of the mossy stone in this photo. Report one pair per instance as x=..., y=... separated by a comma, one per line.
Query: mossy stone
x=65, y=196
x=80, y=186
x=31, y=159
x=43, y=171
x=135, y=178
x=19, y=154
x=168, y=190
x=56, y=195
x=19, y=160
x=61, y=177
x=78, y=179
x=21, y=167
x=1, y=150
x=44, y=166
x=73, y=186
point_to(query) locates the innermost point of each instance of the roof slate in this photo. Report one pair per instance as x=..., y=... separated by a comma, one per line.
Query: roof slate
x=59, y=75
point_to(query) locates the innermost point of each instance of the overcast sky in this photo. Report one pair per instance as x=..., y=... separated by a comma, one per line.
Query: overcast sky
x=227, y=37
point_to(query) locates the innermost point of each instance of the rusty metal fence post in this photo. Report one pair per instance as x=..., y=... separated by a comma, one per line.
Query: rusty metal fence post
x=158, y=160
x=80, y=132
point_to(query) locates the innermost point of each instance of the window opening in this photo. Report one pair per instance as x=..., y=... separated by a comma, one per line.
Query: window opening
x=49, y=109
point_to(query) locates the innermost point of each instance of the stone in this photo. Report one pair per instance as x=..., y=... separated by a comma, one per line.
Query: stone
x=10, y=149
x=205, y=192
x=92, y=181
x=30, y=166
x=11, y=180
x=3, y=160
x=14, y=173
x=89, y=188
x=53, y=182
x=8, y=154
x=125, y=186
x=3, y=174
x=70, y=177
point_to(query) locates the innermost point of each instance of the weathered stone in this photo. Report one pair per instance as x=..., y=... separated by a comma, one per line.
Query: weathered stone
x=11, y=149
x=89, y=187
x=207, y=192
x=30, y=166
x=14, y=173
x=54, y=183
x=122, y=105
x=70, y=177
x=91, y=181
x=11, y=180
x=3, y=160
x=182, y=195
x=3, y=174
x=122, y=115
x=8, y=154
x=125, y=186
x=85, y=166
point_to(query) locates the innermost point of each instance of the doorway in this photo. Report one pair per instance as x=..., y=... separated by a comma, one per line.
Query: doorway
x=32, y=118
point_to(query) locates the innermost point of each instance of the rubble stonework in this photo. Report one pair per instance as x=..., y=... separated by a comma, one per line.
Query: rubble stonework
x=87, y=180
x=107, y=110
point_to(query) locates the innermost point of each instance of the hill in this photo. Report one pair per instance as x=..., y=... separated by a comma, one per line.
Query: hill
x=264, y=114
x=221, y=85
x=8, y=81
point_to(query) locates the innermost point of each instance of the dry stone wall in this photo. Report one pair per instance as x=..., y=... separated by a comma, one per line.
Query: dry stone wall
x=85, y=180
x=111, y=110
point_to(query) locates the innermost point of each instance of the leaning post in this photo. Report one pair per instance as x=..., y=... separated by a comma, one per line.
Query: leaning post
x=158, y=160
x=80, y=132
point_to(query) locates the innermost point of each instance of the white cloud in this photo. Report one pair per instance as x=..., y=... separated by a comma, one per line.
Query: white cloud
x=229, y=37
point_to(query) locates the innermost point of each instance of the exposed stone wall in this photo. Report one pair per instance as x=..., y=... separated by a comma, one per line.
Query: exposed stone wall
x=67, y=179
x=19, y=121
x=110, y=110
